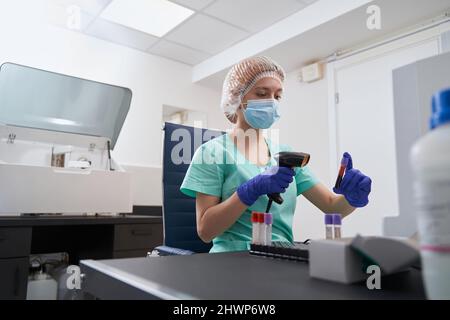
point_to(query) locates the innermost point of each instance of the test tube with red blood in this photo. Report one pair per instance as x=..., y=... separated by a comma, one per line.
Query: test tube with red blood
x=342, y=168
x=255, y=228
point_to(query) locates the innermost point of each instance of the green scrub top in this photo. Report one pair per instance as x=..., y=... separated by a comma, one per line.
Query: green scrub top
x=218, y=168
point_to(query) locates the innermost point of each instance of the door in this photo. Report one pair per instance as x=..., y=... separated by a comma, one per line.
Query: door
x=364, y=118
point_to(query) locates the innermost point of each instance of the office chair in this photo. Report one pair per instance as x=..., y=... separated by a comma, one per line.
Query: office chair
x=179, y=217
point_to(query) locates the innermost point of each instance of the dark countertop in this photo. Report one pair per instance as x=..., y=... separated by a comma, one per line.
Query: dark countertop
x=23, y=221
x=240, y=276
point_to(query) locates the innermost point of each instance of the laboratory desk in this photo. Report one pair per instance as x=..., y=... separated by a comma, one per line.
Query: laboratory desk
x=82, y=237
x=230, y=276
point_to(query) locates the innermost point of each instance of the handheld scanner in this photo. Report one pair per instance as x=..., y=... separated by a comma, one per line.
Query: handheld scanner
x=290, y=160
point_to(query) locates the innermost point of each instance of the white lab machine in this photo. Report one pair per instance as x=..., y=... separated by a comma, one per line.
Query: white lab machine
x=56, y=137
x=346, y=260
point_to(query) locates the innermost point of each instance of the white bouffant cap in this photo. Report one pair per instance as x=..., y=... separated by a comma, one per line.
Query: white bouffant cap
x=241, y=79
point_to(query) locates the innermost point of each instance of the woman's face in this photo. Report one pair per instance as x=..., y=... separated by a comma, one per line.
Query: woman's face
x=266, y=88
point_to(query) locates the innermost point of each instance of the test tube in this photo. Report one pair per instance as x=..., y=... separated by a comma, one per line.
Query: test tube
x=337, y=223
x=255, y=228
x=268, y=220
x=342, y=168
x=328, y=226
x=261, y=232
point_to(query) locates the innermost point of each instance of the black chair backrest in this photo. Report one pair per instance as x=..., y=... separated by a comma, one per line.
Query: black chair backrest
x=180, y=229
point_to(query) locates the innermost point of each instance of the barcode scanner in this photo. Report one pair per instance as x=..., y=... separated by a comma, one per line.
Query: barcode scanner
x=290, y=160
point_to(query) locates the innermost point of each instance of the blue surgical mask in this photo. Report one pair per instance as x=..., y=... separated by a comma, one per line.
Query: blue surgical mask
x=262, y=113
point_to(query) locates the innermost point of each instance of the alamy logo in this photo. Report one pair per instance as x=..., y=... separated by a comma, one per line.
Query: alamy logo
x=184, y=140
x=374, y=19
x=74, y=279
x=73, y=17
x=374, y=280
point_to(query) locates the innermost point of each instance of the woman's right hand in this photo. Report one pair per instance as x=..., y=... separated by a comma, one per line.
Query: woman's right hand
x=273, y=180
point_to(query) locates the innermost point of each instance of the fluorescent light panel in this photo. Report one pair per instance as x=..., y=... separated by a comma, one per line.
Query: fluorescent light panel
x=156, y=17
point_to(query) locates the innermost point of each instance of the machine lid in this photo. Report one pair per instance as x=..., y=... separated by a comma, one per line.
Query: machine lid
x=40, y=99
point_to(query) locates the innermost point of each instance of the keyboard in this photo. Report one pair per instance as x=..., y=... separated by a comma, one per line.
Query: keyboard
x=282, y=250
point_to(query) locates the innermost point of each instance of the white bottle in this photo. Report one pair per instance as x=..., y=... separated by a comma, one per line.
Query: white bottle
x=430, y=160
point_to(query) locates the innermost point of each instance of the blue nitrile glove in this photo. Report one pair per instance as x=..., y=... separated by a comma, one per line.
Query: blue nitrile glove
x=355, y=186
x=273, y=180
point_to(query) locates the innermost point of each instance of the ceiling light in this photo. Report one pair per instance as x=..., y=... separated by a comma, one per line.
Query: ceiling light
x=156, y=17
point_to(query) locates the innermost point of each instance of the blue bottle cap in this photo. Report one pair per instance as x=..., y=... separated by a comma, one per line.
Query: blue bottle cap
x=440, y=108
x=328, y=219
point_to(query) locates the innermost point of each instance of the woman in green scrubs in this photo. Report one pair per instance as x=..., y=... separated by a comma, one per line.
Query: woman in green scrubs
x=231, y=175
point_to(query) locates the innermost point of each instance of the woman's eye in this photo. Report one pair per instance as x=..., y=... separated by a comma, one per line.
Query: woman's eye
x=260, y=94
x=278, y=98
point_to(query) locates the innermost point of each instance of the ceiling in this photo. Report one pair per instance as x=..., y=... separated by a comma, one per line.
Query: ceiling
x=215, y=25
x=343, y=32
x=222, y=32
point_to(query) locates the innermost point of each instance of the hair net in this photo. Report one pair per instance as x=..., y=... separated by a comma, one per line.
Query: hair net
x=241, y=79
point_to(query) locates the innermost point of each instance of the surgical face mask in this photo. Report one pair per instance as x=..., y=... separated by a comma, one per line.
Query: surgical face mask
x=262, y=113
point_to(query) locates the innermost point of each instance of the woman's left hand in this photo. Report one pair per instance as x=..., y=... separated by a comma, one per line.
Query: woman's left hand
x=355, y=186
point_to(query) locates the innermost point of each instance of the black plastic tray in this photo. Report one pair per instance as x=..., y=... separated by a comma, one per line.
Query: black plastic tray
x=282, y=250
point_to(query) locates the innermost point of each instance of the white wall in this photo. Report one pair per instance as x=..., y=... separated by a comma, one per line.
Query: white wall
x=304, y=123
x=305, y=126
x=366, y=127
x=25, y=38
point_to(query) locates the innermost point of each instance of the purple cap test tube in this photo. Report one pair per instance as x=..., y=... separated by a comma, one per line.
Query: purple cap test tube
x=329, y=226
x=337, y=222
x=337, y=219
x=268, y=220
